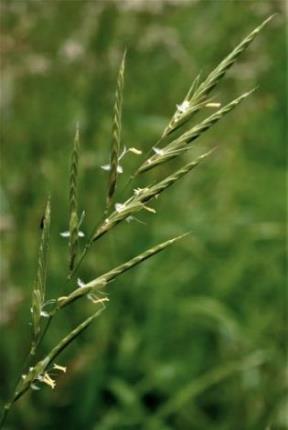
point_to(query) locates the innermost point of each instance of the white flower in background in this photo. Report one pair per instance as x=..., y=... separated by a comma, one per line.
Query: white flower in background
x=72, y=50
x=37, y=63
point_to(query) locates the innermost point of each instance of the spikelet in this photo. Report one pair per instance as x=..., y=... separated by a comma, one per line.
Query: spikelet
x=138, y=201
x=79, y=292
x=38, y=370
x=219, y=72
x=181, y=116
x=73, y=201
x=112, y=274
x=197, y=94
x=71, y=336
x=39, y=290
x=116, y=133
x=171, y=179
x=180, y=144
x=104, y=279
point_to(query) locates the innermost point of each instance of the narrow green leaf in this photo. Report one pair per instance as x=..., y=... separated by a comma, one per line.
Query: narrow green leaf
x=215, y=376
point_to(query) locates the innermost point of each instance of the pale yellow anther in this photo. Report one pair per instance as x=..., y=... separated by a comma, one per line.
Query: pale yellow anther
x=48, y=380
x=148, y=209
x=58, y=367
x=213, y=105
x=97, y=299
x=135, y=151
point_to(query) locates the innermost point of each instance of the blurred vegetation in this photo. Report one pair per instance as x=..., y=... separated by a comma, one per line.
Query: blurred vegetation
x=194, y=339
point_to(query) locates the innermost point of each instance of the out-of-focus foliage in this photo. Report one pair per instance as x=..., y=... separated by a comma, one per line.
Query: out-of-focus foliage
x=194, y=339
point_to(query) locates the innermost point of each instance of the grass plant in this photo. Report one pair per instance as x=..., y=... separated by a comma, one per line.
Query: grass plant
x=175, y=140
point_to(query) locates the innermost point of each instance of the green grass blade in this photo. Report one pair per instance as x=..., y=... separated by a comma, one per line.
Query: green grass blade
x=215, y=376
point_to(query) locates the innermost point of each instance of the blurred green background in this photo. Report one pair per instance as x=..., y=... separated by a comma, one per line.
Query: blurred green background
x=195, y=338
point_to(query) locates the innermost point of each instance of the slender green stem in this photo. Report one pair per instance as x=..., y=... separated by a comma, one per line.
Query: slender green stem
x=80, y=260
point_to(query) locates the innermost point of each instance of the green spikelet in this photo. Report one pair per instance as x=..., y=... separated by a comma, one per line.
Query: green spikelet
x=35, y=372
x=112, y=274
x=180, y=118
x=78, y=293
x=73, y=201
x=116, y=132
x=138, y=201
x=103, y=280
x=219, y=72
x=71, y=336
x=197, y=95
x=39, y=290
x=158, y=188
x=179, y=145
